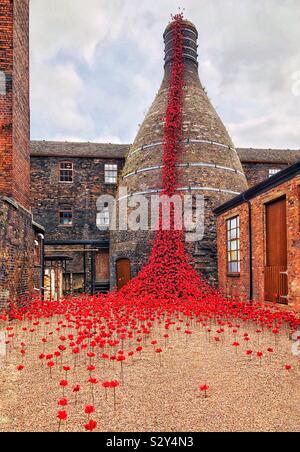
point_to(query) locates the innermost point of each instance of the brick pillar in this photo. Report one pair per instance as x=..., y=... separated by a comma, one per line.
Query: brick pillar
x=14, y=101
x=16, y=233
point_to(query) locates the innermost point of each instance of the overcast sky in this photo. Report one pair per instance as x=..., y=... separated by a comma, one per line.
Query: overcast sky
x=96, y=66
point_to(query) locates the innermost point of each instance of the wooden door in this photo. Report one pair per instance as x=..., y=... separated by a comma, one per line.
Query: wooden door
x=276, y=277
x=102, y=266
x=123, y=272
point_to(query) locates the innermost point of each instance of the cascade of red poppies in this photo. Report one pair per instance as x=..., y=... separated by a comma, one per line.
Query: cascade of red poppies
x=168, y=273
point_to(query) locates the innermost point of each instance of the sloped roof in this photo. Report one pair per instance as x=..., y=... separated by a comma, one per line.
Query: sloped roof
x=285, y=156
x=85, y=150
x=111, y=151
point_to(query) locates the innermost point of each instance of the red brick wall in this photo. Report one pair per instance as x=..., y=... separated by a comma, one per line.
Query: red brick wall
x=233, y=285
x=14, y=105
x=241, y=285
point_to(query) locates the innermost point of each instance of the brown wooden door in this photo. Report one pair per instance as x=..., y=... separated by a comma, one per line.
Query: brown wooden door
x=276, y=278
x=123, y=272
x=102, y=265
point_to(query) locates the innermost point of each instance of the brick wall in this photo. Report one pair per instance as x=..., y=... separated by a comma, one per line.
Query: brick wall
x=14, y=104
x=48, y=194
x=258, y=172
x=17, y=242
x=241, y=285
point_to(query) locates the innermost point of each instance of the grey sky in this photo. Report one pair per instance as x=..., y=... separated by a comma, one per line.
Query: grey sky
x=97, y=64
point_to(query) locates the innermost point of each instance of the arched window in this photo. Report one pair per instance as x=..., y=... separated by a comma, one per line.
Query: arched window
x=123, y=271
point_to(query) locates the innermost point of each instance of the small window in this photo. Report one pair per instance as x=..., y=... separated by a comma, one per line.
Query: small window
x=37, y=253
x=111, y=174
x=273, y=171
x=233, y=245
x=103, y=217
x=66, y=172
x=66, y=217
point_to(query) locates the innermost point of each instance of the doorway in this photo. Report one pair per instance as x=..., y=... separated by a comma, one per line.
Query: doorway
x=102, y=266
x=123, y=272
x=276, y=275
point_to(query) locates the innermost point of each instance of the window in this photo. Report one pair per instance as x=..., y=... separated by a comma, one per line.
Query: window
x=273, y=171
x=111, y=174
x=103, y=220
x=233, y=245
x=66, y=172
x=37, y=253
x=66, y=217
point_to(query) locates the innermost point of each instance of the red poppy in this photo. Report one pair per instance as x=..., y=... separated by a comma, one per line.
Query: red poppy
x=91, y=426
x=89, y=410
x=62, y=415
x=63, y=402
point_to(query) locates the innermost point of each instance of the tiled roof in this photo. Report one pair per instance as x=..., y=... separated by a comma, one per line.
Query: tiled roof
x=285, y=156
x=87, y=150
x=111, y=151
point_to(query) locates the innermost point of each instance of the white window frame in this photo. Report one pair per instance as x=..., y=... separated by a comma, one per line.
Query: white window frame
x=111, y=174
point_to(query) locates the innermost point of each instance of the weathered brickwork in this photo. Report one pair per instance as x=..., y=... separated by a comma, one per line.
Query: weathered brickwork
x=17, y=271
x=240, y=285
x=18, y=274
x=14, y=103
x=49, y=196
x=258, y=172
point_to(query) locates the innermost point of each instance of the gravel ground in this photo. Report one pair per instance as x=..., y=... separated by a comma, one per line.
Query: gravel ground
x=243, y=395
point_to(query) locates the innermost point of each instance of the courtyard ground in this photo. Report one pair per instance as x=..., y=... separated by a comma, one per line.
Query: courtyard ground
x=244, y=394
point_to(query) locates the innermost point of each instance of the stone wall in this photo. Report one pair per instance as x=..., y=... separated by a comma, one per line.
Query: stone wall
x=258, y=172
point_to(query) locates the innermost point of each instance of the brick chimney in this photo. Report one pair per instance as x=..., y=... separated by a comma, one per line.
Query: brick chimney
x=14, y=101
x=208, y=162
x=16, y=228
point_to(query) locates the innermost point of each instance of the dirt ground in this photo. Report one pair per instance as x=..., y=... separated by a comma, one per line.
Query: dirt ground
x=243, y=395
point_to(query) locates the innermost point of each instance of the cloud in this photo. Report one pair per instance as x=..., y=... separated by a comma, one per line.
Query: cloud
x=97, y=65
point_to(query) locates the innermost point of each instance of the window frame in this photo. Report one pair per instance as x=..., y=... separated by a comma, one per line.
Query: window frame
x=104, y=213
x=229, y=249
x=111, y=170
x=63, y=210
x=273, y=171
x=65, y=162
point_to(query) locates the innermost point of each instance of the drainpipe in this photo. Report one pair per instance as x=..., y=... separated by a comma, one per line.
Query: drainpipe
x=42, y=238
x=250, y=248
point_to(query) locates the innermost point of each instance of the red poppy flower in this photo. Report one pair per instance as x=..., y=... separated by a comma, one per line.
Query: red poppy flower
x=288, y=367
x=62, y=415
x=63, y=383
x=76, y=388
x=63, y=402
x=20, y=368
x=91, y=426
x=89, y=410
